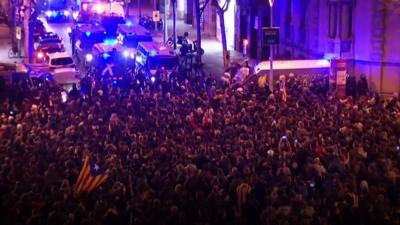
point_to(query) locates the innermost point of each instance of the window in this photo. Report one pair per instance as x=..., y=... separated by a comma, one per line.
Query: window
x=346, y=21
x=64, y=61
x=332, y=19
x=303, y=22
x=288, y=21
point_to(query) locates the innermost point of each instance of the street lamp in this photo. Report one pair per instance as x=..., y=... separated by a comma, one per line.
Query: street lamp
x=245, y=44
x=271, y=57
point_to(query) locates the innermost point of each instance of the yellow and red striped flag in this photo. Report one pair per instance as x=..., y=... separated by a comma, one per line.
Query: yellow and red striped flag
x=283, y=90
x=90, y=177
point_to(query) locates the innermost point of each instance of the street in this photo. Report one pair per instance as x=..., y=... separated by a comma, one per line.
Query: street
x=61, y=29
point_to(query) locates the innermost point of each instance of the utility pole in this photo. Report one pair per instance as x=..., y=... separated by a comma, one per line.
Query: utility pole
x=27, y=15
x=165, y=21
x=198, y=30
x=174, y=21
x=271, y=53
x=140, y=8
x=127, y=2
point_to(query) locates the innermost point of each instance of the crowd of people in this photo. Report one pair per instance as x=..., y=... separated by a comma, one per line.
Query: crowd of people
x=195, y=152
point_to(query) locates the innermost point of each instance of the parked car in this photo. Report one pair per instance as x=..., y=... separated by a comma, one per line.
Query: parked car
x=49, y=37
x=59, y=60
x=47, y=48
x=38, y=29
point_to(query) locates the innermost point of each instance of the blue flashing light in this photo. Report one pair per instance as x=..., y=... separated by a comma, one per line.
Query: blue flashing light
x=110, y=41
x=106, y=55
x=153, y=52
x=139, y=59
x=54, y=14
x=126, y=53
x=129, y=23
x=88, y=33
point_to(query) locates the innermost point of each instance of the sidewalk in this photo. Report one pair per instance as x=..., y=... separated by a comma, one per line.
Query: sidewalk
x=212, y=58
x=5, y=45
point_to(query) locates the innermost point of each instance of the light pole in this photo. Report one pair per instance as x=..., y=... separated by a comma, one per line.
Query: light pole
x=165, y=21
x=271, y=57
x=245, y=44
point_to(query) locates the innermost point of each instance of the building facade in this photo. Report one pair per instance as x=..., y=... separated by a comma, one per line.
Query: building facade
x=365, y=33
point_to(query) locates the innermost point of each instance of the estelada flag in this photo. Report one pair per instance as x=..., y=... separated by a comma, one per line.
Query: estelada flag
x=90, y=177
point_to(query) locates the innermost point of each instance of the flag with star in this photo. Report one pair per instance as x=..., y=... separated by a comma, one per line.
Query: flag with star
x=90, y=177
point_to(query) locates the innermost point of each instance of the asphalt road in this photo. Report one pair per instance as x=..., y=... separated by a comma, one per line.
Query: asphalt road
x=61, y=30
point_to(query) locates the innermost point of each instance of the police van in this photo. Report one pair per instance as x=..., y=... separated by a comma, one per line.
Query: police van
x=57, y=10
x=84, y=37
x=88, y=9
x=130, y=35
x=110, y=59
x=152, y=56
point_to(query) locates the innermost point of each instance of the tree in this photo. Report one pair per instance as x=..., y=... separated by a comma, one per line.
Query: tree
x=220, y=10
x=198, y=30
x=174, y=22
x=199, y=10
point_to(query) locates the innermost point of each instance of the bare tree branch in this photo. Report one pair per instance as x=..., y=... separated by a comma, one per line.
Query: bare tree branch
x=222, y=8
x=202, y=8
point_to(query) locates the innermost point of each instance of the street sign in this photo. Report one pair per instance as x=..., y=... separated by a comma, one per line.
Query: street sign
x=18, y=32
x=156, y=16
x=271, y=35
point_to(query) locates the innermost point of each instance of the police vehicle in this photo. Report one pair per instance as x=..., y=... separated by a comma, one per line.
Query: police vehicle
x=88, y=9
x=109, y=59
x=111, y=22
x=84, y=37
x=59, y=60
x=57, y=10
x=130, y=35
x=152, y=56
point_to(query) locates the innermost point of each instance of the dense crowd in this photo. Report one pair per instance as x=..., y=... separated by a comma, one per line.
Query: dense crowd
x=195, y=152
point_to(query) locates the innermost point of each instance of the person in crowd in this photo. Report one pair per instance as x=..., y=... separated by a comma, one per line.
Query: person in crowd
x=351, y=86
x=200, y=154
x=362, y=86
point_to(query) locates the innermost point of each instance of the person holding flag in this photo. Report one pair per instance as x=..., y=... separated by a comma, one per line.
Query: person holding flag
x=282, y=87
x=90, y=177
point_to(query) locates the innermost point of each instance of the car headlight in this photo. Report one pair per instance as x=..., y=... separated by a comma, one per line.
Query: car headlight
x=89, y=57
x=75, y=15
x=40, y=55
x=66, y=12
x=126, y=53
x=48, y=13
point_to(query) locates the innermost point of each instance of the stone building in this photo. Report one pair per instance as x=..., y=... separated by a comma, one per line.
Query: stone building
x=364, y=32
